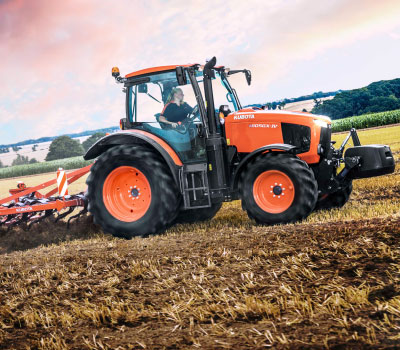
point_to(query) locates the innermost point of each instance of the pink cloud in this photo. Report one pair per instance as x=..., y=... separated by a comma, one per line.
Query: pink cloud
x=65, y=49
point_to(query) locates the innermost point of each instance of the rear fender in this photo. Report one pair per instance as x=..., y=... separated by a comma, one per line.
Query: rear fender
x=280, y=147
x=138, y=137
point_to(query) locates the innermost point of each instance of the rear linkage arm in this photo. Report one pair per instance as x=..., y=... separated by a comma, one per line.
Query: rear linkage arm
x=349, y=162
x=328, y=181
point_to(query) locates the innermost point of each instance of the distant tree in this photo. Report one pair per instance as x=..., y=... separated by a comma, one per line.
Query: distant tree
x=64, y=147
x=16, y=148
x=34, y=148
x=304, y=110
x=92, y=139
x=20, y=160
x=33, y=160
x=274, y=105
x=317, y=103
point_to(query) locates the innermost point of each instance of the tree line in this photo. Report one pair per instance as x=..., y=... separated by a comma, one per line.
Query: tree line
x=66, y=147
x=61, y=147
x=379, y=96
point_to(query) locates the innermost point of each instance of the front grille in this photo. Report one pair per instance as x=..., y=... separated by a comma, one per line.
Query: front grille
x=297, y=135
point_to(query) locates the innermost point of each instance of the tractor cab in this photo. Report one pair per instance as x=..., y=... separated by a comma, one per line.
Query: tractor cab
x=169, y=102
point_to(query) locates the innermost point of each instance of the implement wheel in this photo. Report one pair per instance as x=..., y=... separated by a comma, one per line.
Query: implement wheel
x=131, y=192
x=334, y=200
x=278, y=188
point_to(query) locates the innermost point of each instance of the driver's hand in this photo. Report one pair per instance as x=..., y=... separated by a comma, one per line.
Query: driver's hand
x=174, y=125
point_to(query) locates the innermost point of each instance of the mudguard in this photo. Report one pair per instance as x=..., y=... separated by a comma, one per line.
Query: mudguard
x=139, y=137
x=281, y=147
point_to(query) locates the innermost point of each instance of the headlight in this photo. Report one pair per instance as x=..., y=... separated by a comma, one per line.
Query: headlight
x=321, y=123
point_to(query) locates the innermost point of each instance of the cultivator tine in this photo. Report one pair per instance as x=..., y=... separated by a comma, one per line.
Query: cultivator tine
x=83, y=211
x=46, y=214
x=24, y=218
x=63, y=215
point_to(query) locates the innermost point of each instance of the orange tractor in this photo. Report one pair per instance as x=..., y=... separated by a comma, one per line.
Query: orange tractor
x=177, y=157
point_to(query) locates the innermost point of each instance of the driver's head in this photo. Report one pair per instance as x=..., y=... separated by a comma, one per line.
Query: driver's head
x=176, y=95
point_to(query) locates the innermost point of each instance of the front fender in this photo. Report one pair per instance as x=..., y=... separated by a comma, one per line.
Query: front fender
x=280, y=147
x=137, y=137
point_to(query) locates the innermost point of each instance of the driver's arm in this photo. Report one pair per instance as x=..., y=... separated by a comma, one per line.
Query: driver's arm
x=162, y=119
x=187, y=108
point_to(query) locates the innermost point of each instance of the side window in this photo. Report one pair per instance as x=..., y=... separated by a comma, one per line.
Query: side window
x=149, y=102
x=221, y=94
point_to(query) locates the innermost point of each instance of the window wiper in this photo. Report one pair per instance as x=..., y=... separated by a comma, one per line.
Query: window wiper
x=153, y=97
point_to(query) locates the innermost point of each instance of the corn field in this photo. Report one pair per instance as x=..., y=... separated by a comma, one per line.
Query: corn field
x=366, y=121
x=44, y=167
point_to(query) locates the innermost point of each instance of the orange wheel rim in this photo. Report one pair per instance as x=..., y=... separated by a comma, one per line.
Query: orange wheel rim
x=127, y=194
x=273, y=191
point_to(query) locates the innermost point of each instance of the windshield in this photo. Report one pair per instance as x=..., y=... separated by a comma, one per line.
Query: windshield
x=222, y=91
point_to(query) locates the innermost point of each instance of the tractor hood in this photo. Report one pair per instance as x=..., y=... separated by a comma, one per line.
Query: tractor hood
x=278, y=116
x=249, y=129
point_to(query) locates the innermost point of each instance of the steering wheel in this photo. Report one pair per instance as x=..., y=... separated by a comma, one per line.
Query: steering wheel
x=183, y=126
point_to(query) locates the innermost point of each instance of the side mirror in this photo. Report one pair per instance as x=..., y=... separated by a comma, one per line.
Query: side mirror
x=200, y=130
x=224, y=111
x=181, y=76
x=123, y=124
x=142, y=88
x=248, y=76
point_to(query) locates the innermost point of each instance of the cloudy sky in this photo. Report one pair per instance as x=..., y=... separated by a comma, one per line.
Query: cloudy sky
x=56, y=56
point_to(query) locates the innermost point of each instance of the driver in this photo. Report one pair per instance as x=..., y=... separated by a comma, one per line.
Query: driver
x=175, y=110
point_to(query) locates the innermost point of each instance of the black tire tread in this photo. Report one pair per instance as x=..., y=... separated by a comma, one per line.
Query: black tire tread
x=168, y=198
x=304, y=175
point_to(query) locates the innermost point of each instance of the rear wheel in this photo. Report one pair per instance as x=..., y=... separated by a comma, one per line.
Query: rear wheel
x=131, y=192
x=197, y=215
x=278, y=188
x=334, y=200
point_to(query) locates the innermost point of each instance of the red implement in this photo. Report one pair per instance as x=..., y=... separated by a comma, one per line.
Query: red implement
x=25, y=203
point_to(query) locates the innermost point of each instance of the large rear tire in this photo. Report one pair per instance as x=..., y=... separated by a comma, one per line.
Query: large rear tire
x=131, y=192
x=191, y=216
x=335, y=200
x=278, y=188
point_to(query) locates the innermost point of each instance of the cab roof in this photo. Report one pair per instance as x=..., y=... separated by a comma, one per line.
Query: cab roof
x=157, y=69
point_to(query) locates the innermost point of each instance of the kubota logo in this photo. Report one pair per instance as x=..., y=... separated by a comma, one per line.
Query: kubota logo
x=23, y=209
x=244, y=116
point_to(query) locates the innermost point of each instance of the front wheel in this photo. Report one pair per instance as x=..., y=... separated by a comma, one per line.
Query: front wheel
x=131, y=192
x=278, y=188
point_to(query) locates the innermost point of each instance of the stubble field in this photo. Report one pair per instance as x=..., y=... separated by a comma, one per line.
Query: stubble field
x=330, y=282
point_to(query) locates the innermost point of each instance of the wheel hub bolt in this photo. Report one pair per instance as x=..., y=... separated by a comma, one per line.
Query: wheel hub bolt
x=135, y=192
